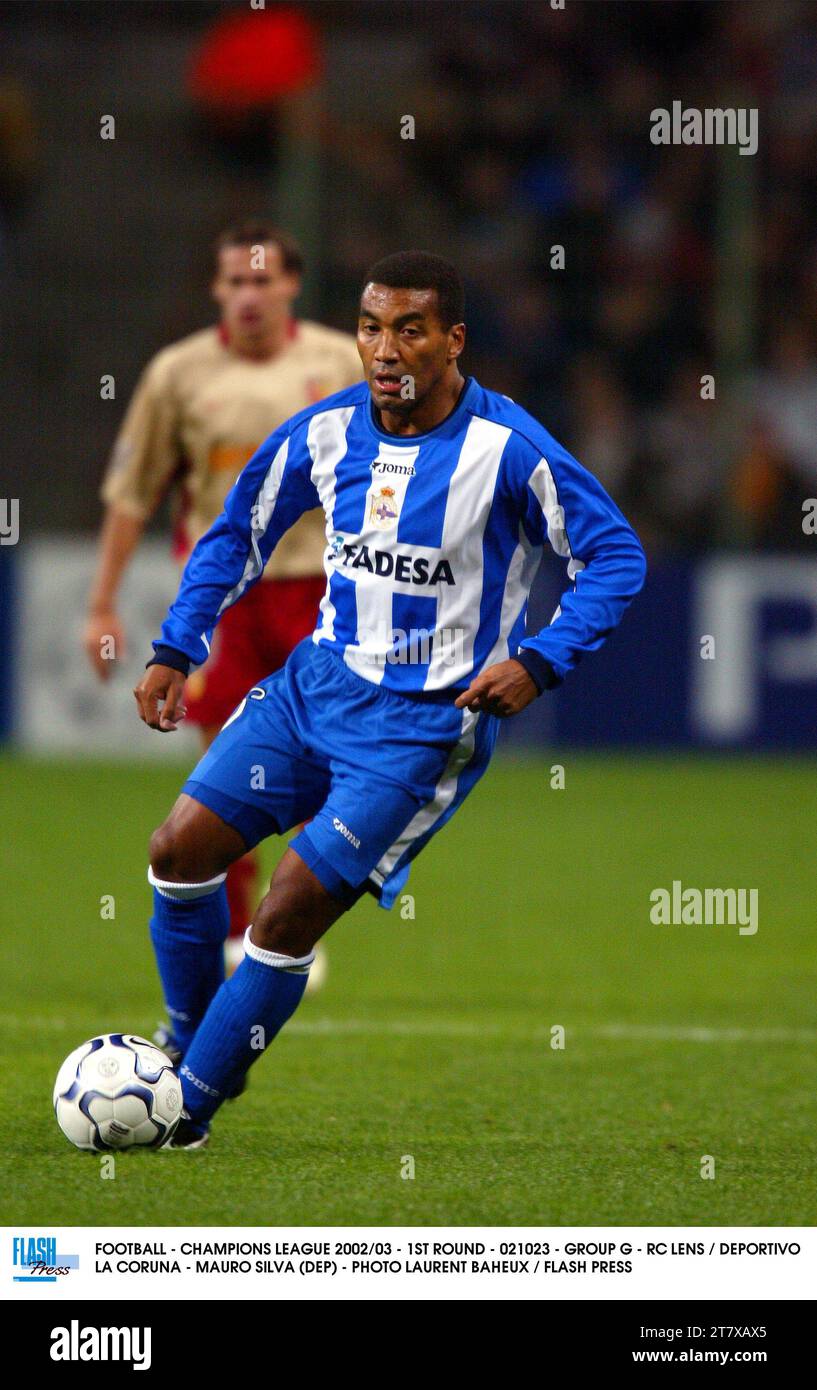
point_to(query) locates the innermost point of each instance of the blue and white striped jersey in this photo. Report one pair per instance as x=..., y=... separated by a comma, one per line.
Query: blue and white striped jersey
x=432, y=542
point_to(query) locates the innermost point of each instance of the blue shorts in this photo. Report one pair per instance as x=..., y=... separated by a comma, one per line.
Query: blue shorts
x=375, y=773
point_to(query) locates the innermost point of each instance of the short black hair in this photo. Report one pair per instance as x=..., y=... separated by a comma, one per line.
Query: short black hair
x=421, y=270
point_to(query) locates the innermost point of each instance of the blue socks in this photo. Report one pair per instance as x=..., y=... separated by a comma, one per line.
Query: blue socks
x=189, y=925
x=242, y=1020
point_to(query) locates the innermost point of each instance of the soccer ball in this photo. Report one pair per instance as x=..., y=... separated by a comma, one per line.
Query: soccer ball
x=116, y=1092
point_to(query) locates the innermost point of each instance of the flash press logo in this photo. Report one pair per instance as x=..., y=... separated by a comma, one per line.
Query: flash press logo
x=36, y=1260
x=75, y=1343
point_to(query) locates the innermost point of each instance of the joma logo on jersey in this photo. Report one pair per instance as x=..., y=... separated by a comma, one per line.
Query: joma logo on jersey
x=385, y=499
x=403, y=470
x=408, y=569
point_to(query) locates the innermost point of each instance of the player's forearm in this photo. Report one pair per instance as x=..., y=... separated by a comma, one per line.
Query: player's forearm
x=216, y=574
x=266, y=499
x=121, y=533
x=603, y=591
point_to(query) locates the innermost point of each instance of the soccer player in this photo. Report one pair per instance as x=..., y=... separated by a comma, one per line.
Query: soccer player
x=200, y=410
x=438, y=497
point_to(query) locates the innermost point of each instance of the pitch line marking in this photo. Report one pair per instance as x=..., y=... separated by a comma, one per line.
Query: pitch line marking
x=626, y=1032
x=445, y=1028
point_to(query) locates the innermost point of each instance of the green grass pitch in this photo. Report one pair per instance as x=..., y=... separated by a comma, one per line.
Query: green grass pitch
x=432, y=1036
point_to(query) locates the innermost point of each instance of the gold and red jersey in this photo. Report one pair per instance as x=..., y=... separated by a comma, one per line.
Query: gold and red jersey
x=200, y=411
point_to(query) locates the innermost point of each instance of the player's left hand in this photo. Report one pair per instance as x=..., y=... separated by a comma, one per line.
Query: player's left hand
x=503, y=690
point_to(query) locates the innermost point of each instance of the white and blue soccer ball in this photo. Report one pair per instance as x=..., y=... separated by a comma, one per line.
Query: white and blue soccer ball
x=117, y=1091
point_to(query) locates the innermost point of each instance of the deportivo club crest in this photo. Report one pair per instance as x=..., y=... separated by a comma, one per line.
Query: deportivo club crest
x=383, y=511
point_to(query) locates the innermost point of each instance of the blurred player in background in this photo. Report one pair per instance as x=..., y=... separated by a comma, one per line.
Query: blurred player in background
x=200, y=410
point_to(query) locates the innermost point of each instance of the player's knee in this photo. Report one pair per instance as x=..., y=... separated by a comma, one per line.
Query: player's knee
x=285, y=926
x=293, y=915
x=175, y=857
x=165, y=852
x=194, y=844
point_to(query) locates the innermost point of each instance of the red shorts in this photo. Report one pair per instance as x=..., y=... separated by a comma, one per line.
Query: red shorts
x=253, y=639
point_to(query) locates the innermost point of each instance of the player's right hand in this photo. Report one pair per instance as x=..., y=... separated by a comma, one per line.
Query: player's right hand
x=161, y=683
x=104, y=642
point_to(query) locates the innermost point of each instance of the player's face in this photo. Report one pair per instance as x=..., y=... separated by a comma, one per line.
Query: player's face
x=253, y=290
x=404, y=348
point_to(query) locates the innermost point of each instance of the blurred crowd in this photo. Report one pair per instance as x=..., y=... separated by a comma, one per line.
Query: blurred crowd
x=608, y=278
x=533, y=134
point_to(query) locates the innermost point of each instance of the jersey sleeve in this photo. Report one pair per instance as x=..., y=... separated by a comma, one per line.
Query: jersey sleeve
x=269, y=495
x=606, y=566
x=146, y=453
